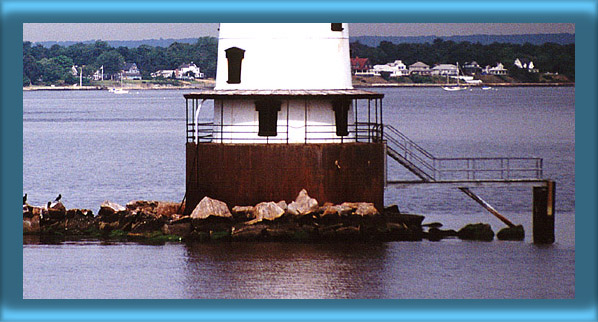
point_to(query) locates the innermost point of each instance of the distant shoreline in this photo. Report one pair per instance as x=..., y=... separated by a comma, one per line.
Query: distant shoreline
x=199, y=87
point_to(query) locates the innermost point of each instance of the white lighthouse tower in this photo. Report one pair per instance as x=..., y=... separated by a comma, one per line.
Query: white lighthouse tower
x=286, y=118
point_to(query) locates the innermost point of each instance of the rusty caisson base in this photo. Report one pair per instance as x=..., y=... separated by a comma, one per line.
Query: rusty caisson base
x=247, y=174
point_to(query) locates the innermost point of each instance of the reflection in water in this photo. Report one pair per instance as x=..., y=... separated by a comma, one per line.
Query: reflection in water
x=279, y=270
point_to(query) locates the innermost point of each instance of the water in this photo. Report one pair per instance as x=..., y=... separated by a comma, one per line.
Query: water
x=95, y=146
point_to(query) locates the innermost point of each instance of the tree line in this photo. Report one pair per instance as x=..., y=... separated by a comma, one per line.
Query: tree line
x=42, y=65
x=548, y=57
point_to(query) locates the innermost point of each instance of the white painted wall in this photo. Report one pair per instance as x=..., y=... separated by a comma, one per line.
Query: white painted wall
x=242, y=113
x=286, y=56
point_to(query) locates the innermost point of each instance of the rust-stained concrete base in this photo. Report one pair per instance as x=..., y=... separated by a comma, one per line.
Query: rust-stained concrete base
x=247, y=174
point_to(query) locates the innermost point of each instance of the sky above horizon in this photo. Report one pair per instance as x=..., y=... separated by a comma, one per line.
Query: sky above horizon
x=37, y=32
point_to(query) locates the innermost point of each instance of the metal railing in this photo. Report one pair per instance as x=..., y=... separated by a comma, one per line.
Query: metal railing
x=469, y=169
x=209, y=132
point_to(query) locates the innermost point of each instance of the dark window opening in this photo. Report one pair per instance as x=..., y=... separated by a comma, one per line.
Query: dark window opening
x=267, y=117
x=341, y=116
x=234, y=56
x=337, y=26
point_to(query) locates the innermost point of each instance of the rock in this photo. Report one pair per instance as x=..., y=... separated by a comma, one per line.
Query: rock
x=144, y=223
x=267, y=211
x=303, y=205
x=243, y=213
x=352, y=205
x=433, y=225
x=108, y=211
x=142, y=205
x=366, y=209
x=477, y=231
x=31, y=225
x=392, y=209
x=178, y=229
x=338, y=210
x=435, y=234
x=283, y=205
x=402, y=232
x=511, y=233
x=211, y=207
x=168, y=208
x=160, y=208
x=249, y=232
x=79, y=213
x=407, y=219
x=57, y=211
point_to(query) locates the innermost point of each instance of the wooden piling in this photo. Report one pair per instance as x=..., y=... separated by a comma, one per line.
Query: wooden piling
x=543, y=213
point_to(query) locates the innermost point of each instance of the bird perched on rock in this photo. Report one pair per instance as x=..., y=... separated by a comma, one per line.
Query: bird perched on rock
x=58, y=198
x=25, y=199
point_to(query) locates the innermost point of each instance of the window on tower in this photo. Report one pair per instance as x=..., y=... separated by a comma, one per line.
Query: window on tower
x=337, y=26
x=267, y=116
x=234, y=56
x=341, y=116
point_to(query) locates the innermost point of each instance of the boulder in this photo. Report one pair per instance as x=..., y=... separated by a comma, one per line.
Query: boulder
x=402, y=232
x=56, y=211
x=435, y=234
x=303, y=204
x=160, y=208
x=366, y=209
x=477, y=231
x=283, y=205
x=144, y=223
x=243, y=213
x=209, y=207
x=182, y=229
x=392, y=209
x=78, y=221
x=511, y=233
x=109, y=210
x=249, y=232
x=337, y=210
x=402, y=218
x=31, y=224
x=432, y=225
x=142, y=205
x=267, y=211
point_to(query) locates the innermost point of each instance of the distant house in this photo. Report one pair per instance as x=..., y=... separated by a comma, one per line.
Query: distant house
x=394, y=69
x=98, y=74
x=499, y=69
x=445, y=69
x=164, y=73
x=419, y=68
x=130, y=71
x=525, y=63
x=189, y=71
x=472, y=68
x=360, y=66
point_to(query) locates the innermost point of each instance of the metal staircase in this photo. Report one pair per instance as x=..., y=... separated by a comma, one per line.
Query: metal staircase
x=430, y=169
x=433, y=169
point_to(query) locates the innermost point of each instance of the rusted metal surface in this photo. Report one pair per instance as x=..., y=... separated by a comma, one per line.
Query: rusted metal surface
x=246, y=174
x=487, y=206
x=543, y=213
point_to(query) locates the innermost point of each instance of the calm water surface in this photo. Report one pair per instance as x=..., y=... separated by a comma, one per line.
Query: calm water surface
x=96, y=146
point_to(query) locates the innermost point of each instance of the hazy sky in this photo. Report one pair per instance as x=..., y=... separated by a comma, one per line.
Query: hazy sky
x=137, y=31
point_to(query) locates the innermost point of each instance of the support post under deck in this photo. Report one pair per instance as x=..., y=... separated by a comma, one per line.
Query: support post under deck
x=543, y=213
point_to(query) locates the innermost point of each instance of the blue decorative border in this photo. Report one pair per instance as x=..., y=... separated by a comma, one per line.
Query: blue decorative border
x=14, y=13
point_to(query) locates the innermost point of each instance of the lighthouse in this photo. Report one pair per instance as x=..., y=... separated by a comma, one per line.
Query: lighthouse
x=286, y=118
